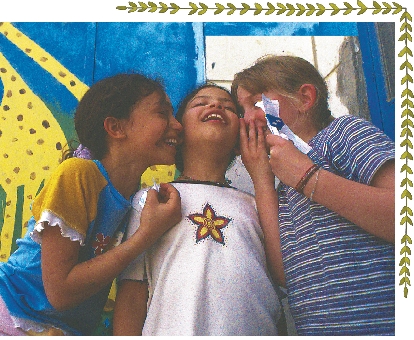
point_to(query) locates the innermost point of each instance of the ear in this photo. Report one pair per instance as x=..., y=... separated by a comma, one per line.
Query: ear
x=114, y=127
x=307, y=96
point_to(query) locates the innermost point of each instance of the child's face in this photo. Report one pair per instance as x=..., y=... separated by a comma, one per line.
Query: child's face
x=252, y=113
x=211, y=116
x=153, y=131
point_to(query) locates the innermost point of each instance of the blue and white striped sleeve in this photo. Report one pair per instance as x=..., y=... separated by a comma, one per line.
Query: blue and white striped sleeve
x=358, y=148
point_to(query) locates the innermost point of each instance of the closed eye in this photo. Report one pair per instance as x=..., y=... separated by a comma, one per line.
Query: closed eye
x=231, y=108
x=202, y=103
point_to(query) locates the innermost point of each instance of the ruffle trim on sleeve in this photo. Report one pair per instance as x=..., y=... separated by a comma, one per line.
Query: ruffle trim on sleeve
x=31, y=327
x=55, y=221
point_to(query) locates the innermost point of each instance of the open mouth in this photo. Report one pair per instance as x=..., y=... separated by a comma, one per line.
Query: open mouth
x=171, y=142
x=214, y=116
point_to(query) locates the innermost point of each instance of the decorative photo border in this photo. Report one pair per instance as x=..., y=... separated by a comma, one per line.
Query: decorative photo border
x=258, y=10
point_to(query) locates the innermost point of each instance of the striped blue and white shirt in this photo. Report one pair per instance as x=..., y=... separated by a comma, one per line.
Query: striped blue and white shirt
x=340, y=279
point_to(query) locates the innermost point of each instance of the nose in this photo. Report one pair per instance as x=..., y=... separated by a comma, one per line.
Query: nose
x=217, y=103
x=175, y=124
x=255, y=115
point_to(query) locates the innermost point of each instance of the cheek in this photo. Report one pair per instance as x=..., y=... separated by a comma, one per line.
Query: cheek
x=156, y=130
x=187, y=126
x=286, y=112
x=189, y=120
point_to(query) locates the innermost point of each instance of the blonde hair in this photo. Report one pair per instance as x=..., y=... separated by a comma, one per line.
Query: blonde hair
x=285, y=75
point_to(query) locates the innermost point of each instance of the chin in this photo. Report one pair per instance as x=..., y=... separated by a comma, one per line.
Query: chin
x=167, y=160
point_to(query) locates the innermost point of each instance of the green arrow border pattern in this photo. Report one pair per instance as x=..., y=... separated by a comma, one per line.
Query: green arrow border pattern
x=407, y=115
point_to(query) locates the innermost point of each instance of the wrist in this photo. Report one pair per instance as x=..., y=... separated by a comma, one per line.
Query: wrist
x=310, y=188
x=142, y=237
x=300, y=186
x=263, y=179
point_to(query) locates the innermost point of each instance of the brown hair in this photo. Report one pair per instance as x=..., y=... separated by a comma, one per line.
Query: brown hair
x=285, y=75
x=115, y=96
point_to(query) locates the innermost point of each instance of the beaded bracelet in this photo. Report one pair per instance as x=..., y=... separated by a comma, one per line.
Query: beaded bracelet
x=305, y=178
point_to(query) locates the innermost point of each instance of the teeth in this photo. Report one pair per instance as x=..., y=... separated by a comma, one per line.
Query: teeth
x=171, y=141
x=213, y=116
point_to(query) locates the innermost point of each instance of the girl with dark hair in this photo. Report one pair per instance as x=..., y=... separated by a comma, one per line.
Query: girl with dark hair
x=207, y=275
x=57, y=282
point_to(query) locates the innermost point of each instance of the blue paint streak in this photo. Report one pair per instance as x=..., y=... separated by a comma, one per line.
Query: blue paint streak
x=1, y=90
x=200, y=62
x=43, y=85
x=281, y=29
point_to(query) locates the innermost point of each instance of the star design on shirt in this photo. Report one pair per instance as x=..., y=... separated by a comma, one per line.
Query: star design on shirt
x=209, y=224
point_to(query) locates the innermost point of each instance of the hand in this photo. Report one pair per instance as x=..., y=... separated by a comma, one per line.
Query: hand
x=161, y=211
x=254, y=154
x=287, y=162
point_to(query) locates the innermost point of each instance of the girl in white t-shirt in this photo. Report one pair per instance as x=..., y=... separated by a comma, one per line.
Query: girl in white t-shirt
x=208, y=274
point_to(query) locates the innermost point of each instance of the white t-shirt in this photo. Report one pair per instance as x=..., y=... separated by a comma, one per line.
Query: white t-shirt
x=240, y=178
x=207, y=275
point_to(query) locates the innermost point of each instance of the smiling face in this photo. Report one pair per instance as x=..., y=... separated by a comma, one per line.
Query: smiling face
x=210, y=122
x=211, y=115
x=152, y=131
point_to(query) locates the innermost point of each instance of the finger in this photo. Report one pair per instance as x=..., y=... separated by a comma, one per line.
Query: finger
x=152, y=195
x=272, y=152
x=170, y=192
x=164, y=191
x=260, y=138
x=163, y=195
x=272, y=140
x=252, y=134
x=243, y=135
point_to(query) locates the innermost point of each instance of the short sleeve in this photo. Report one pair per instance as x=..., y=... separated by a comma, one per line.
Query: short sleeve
x=357, y=149
x=72, y=194
x=55, y=221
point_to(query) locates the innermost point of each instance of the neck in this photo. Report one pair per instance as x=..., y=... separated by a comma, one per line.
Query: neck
x=203, y=177
x=205, y=164
x=307, y=135
x=306, y=128
x=204, y=171
x=125, y=177
x=224, y=182
x=304, y=131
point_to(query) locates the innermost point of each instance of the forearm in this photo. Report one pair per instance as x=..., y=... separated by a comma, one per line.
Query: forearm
x=267, y=206
x=68, y=283
x=130, y=308
x=87, y=278
x=369, y=207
